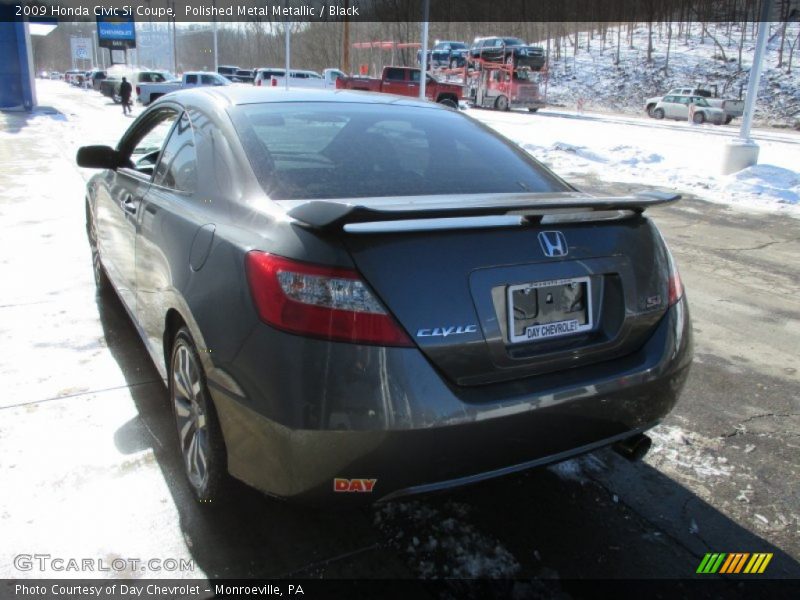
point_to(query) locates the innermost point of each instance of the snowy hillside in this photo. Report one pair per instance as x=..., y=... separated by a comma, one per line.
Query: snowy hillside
x=593, y=76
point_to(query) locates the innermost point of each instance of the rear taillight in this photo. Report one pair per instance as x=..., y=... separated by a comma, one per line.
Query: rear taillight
x=274, y=82
x=675, y=286
x=325, y=302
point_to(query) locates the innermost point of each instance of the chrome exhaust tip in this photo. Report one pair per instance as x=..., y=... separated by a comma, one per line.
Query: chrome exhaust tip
x=634, y=448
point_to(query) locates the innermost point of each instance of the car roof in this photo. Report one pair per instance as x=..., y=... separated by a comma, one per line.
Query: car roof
x=239, y=95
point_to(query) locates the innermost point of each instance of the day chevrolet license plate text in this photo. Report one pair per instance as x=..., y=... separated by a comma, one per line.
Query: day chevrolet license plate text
x=548, y=309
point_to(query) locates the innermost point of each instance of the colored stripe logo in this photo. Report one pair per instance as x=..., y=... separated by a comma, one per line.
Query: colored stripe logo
x=734, y=563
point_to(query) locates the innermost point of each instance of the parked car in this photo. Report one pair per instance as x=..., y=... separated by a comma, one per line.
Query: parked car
x=227, y=71
x=94, y=78
x=404, y=81
x=71, y=76
x=298, y=78
x=56, y=75
x=147, y=92
x=110, y=85
x=242, y=76
x=508, y=49
x=353, y=297
x=678, y=107
x=445, y=54
x=731, y=107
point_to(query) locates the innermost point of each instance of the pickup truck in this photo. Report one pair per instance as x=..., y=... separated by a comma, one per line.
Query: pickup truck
x=276, y=77
x=446, y=54
x=147, y=92
x=109, y=86
x=732, y=108
x=404, y=81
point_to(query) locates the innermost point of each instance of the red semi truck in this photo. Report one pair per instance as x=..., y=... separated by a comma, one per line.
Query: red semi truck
x=404, y=81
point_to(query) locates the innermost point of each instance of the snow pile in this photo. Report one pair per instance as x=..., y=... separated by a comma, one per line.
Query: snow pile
x=767, y=181
x=578, y=469
x=442, y=544
x=688, y=454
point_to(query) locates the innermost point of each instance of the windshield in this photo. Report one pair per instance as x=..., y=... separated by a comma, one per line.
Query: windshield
x=301, y=151
x=513, y=42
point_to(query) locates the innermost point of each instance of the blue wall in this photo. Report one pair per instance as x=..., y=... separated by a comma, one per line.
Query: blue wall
x=15, y=75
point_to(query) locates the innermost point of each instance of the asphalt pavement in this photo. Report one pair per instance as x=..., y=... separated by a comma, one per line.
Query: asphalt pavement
x=89, y=465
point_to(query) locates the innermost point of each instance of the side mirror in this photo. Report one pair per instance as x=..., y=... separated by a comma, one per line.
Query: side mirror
x=99, y=157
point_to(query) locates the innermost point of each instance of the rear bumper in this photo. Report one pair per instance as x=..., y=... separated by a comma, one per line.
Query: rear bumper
x=411, y=432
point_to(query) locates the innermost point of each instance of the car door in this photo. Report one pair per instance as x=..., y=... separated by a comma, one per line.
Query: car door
x=395, y=82
x=668, y=105
x=118, y=202
x=681, y=110
x=167, y=231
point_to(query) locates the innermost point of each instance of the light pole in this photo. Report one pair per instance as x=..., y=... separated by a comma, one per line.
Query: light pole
x=423, y=76
x=742, y=152
x=174, y=44
x=288, y=27
x=216, y=60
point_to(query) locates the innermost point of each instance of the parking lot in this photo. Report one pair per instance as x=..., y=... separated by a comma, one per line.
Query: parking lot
x=90, y=466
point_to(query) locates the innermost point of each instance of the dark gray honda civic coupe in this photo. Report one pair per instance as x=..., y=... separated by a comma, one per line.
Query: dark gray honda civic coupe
x=361, y=296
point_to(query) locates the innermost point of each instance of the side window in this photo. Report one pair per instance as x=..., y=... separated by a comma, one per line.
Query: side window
x=178, y=166
x=395, y=74
x=207, y=79
x=146, y=143
x=191, y=79
x=415, y=76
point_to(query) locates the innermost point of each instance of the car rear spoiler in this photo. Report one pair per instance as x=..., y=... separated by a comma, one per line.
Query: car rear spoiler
x=332, y=215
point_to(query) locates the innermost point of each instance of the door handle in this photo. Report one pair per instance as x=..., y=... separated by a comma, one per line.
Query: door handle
x=129, y=206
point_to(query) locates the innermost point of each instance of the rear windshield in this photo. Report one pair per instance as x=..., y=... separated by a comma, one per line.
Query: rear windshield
x=331, y=150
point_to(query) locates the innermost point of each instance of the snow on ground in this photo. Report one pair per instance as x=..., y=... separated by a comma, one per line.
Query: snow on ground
x=592, y=75
x=680, y=156
x=441, y=544
x=687, y=454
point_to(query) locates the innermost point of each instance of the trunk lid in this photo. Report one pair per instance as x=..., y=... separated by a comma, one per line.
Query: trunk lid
x=450, y=288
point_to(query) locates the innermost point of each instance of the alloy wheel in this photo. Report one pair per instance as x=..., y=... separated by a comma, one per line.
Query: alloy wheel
x=190, y=415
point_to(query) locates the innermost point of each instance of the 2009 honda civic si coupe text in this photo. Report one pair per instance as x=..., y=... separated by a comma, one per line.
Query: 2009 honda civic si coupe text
x=362, y=296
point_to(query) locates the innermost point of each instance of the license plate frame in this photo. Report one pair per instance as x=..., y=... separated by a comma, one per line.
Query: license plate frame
x=553, y=329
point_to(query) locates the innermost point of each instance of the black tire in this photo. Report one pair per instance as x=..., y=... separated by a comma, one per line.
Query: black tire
x=699, y=118
x=448, y=102
x=198, y=430
x=533, y=110
x=658, y=113
x=101, y=281
x=501, y=103
x=649, y=110
x=728, y=119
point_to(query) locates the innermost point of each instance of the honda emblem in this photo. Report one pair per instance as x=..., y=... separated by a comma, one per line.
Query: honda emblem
x=553, y=243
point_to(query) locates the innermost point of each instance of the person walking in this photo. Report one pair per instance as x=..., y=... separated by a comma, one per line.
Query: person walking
x=125, y=91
